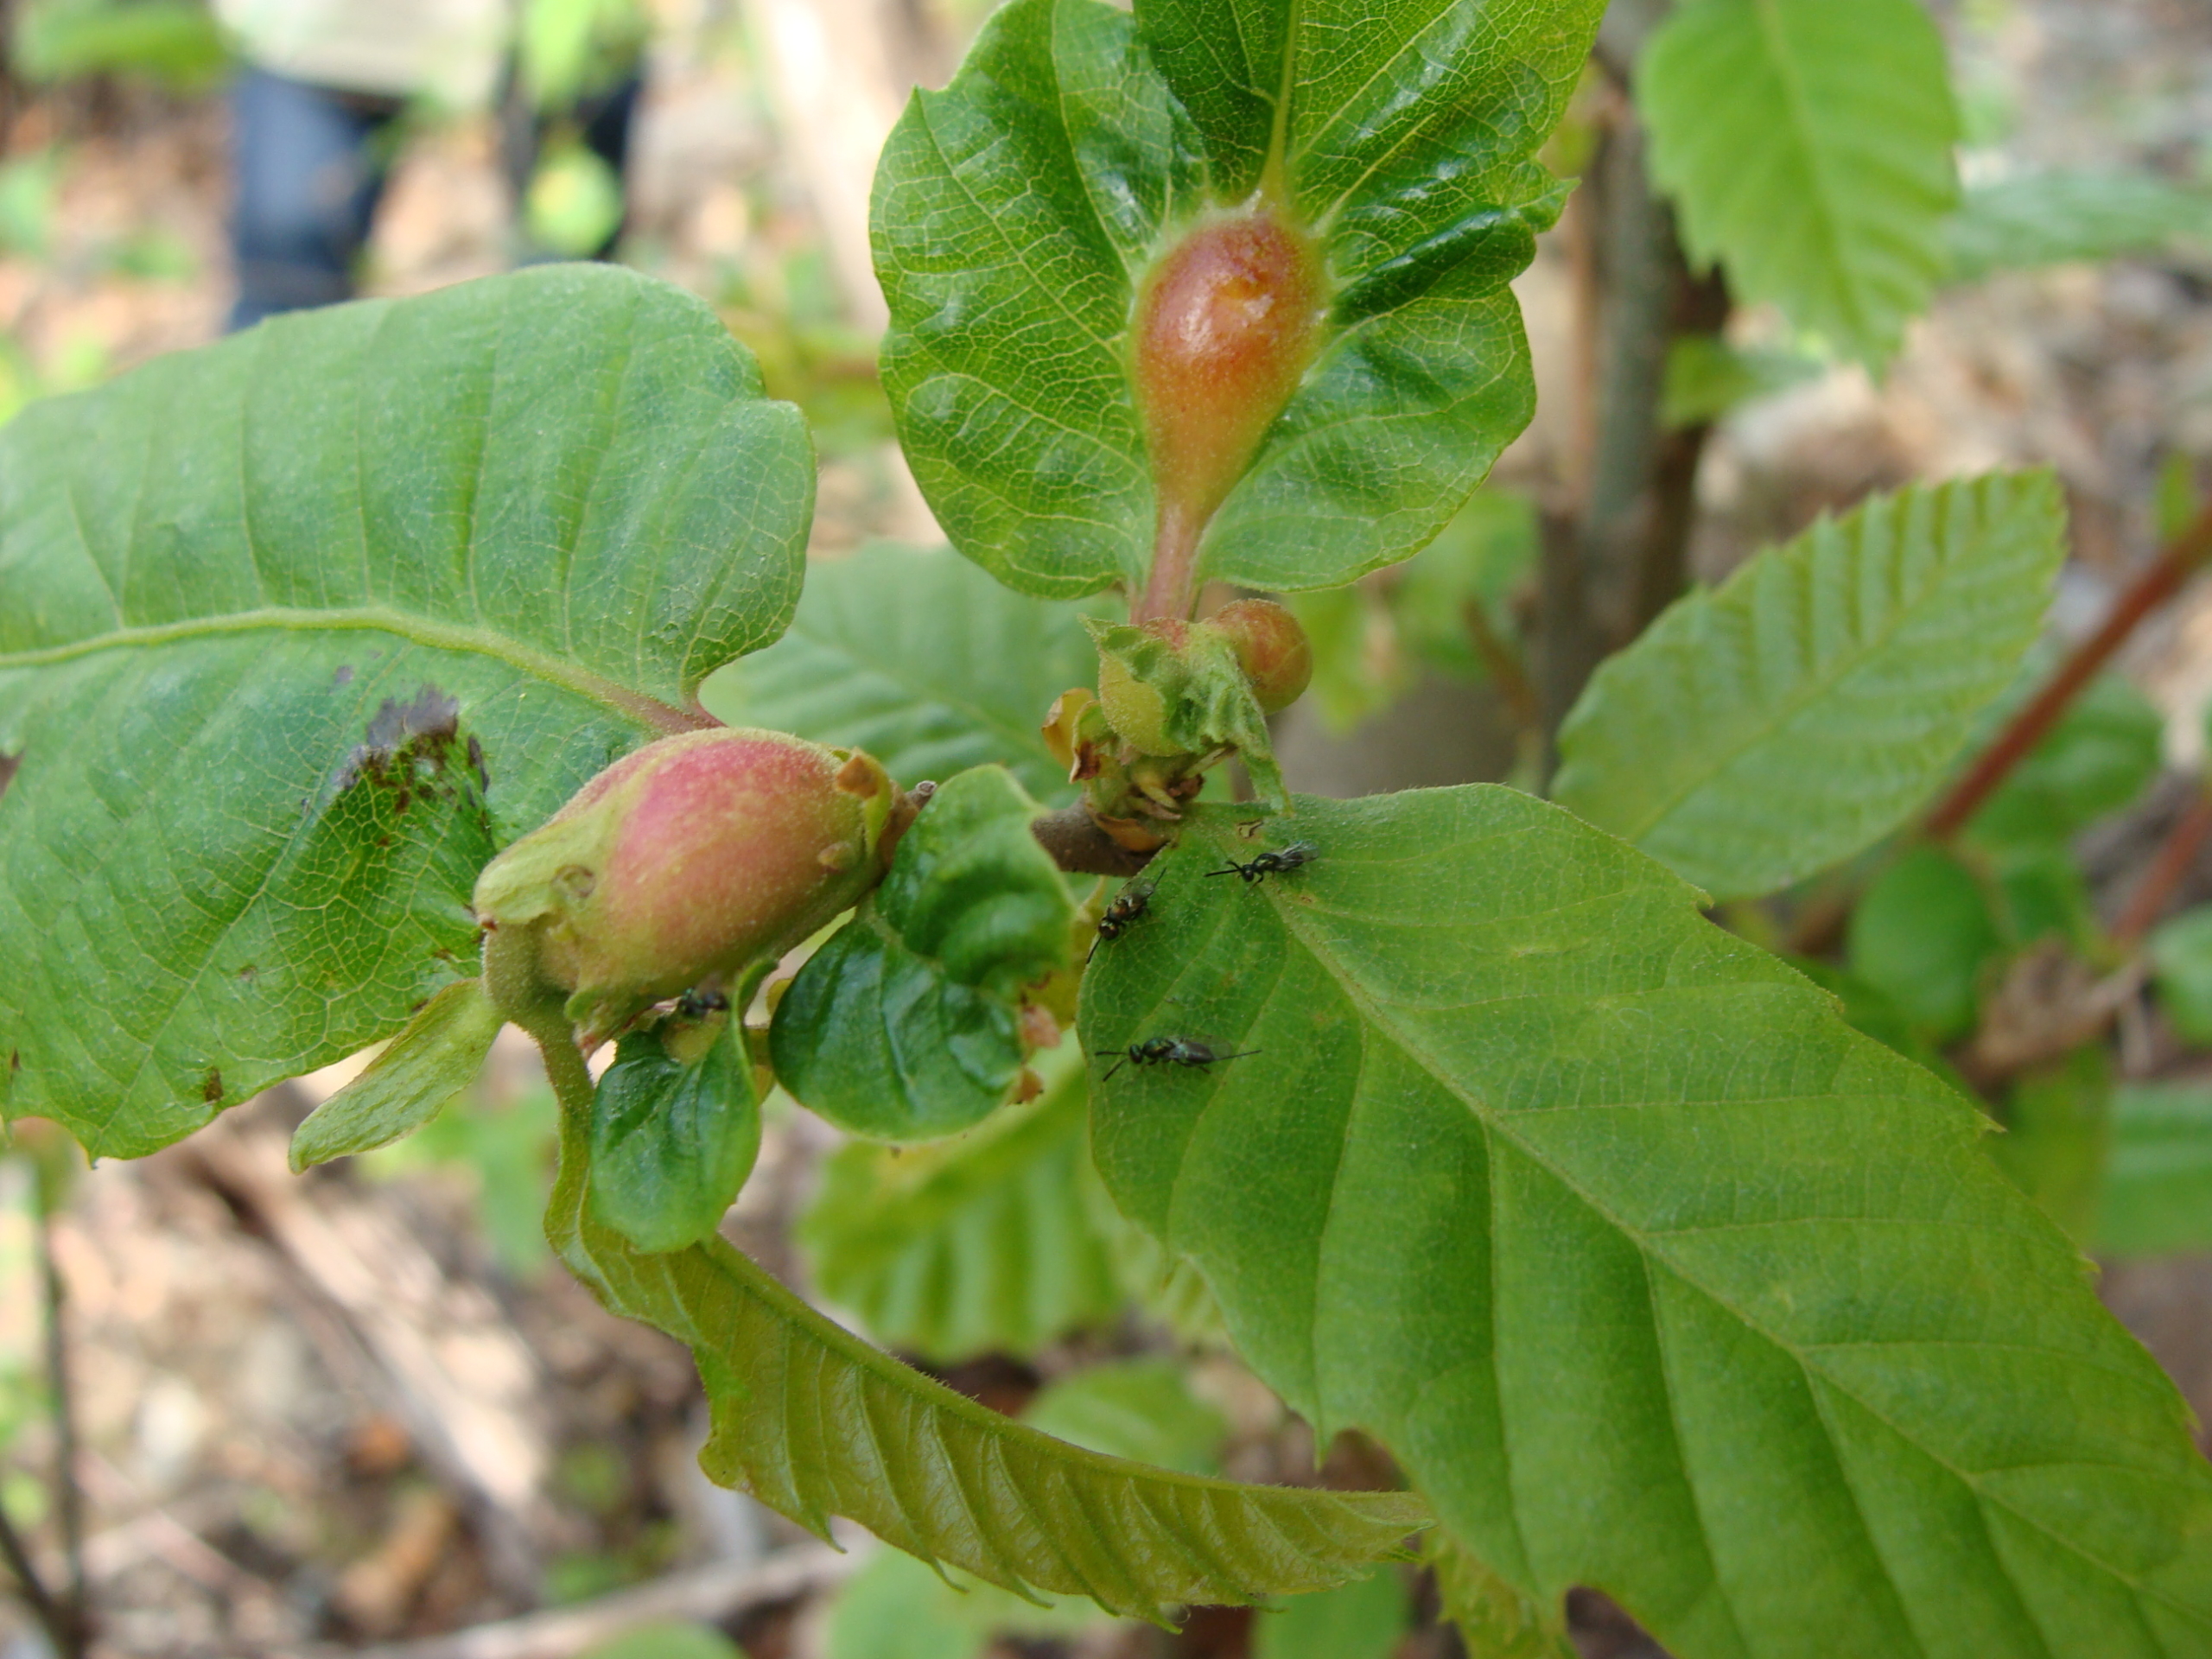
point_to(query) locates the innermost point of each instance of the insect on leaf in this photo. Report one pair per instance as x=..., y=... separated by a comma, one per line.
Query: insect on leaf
x=1653, y=1275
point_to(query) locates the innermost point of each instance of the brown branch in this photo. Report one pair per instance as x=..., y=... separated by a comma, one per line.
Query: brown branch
x=2159, y=582
x=49, y=1612
x=1078, y=846
x=1507, y=671
x=2168, y=868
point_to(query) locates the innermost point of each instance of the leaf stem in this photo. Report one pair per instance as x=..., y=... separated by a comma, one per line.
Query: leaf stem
x=2159, y=582
x=1170, y=590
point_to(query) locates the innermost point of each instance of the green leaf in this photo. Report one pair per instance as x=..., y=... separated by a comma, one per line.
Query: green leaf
x=895, y=1607
x=1921, y=936
x=2053, y=218
x=1808, y=147
x=1017, y=210
x=919, y=658
x=814, y=1423
x=666, y=1641
x=1495, y=1621
x=2157, y=1192
x=2058, y=1137
x=1139, y=1408
x=1706, y=377
x=2181, y=960
x=1362, y=1620
x=979, y=1245
x=906, y=1024
x=297, y=629
x=1652, y=1275
x=2102, y=753
x=437, y=1057
x=675, y=1128
x=1764, y=731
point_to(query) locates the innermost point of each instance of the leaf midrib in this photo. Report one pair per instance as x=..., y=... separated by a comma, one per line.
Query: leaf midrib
x=1372, y=1013
x=1825, y=202
x=634, y=705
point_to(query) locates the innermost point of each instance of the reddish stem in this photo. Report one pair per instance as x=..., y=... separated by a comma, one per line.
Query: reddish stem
x=1170, y=590
x=2159, y=583
x=2174, y=857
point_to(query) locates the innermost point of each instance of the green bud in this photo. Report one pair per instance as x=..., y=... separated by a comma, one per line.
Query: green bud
x=692, y=859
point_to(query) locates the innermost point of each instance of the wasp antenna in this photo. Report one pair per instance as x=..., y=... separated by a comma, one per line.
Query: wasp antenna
x=1241, y=1054
x=1116, y=1066
x=1089, y=954
x=1232, y=870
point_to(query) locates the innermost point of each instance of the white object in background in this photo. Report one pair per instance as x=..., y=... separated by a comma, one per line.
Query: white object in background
x=447, y=51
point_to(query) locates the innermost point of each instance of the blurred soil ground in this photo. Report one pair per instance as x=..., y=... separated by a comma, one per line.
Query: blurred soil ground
x=358, y=1409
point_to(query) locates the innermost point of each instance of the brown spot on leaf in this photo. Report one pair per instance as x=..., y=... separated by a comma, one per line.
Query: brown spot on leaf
x=15, y=1059
x=248, y=974
x=212, y=1090
x=344, y=675
x=9, y=763
x=415, y=751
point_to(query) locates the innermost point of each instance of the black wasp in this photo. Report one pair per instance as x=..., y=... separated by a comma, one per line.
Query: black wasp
x=1268, y=864
x=1171, y=1051
x=1127, y=905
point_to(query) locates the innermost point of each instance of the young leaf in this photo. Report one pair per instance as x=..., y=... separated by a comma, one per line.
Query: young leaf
x=1921, y=936
x=814, y=1423
x=2058, y=1138
x=1653, y=1275
x=1364, y=1619
x=1495, y=1621
x=674, y=1132
x=916, y=656
x=906, y=1024
x=2181, y=959
x=1138, y=1408
x=1017, y=212
x=296, y=629
x=2052, y=219
x=1808, y=146
x=896, y=1607
x=434, y=1058
x=975, y=1245
x=1761, y=732
x=2102, y=753
x=2157, y=1190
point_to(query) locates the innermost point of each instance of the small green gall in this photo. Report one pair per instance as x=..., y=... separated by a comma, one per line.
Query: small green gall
x=694, y=859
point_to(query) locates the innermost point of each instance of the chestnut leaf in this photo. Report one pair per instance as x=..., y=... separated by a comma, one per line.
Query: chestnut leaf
x=814, y=1423
x=1017, y=212
x=1653, y=1275
x=298, y=629
x=905, y=1023
x=916, y=656
x=1761, y=732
